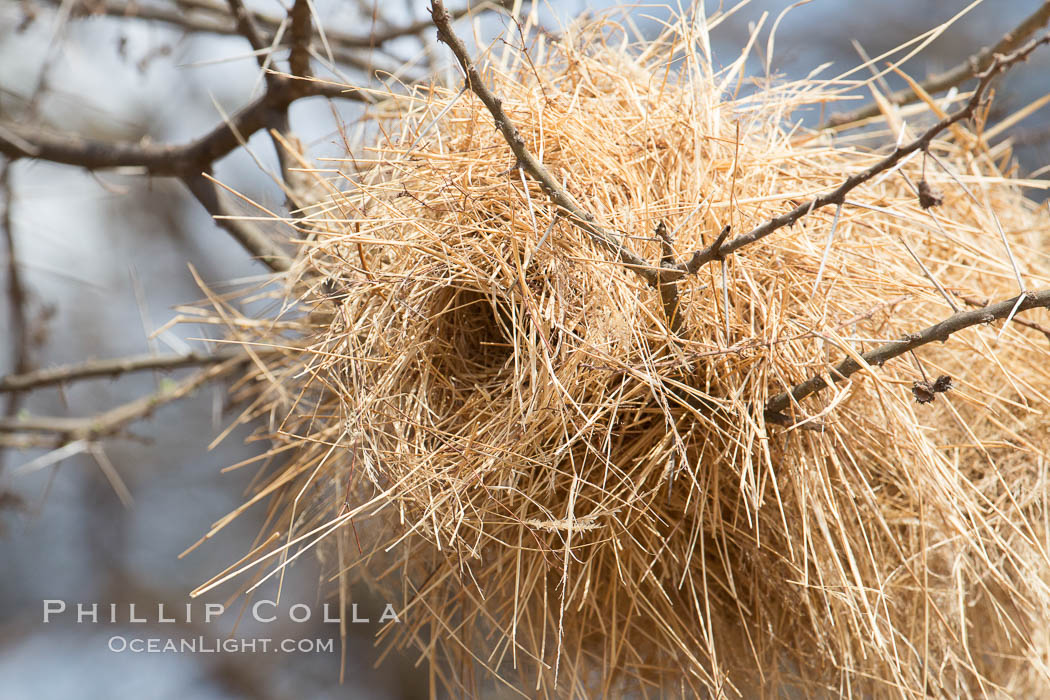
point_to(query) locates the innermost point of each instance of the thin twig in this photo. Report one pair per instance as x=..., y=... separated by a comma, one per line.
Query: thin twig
x=113, y=367
x=29, y=141
x=246, y=28
x=579, y=216
x=17, y=296
x=969, y=68
x=112, y=421
x=300, y=18
x=838, y=195
x=887, y=351
x=18, y=325
x=213, y=17
x=278, y=118
x=973, y=301
x=251, y=238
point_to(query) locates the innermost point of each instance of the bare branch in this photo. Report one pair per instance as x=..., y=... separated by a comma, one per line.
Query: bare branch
x=887, y=351
x=246, y=28
x=213, y=17
x=253, y=239
x=669, y=289
x=579, y=216
x=112, y=421
x=18, y=325
x=299, y=35
x=27, y=441
x=113, y=367
x=186, y=161
x=969, y=68
x=18, y=336
x=838, y=195
x=709, y=254
x=278, y=117
x=27, y=141
x=972, y=301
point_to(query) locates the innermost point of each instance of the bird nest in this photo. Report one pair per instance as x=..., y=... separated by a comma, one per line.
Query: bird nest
x=482, y=411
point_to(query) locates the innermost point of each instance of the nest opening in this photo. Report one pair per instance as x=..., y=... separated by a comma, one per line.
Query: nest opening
x=473, y=334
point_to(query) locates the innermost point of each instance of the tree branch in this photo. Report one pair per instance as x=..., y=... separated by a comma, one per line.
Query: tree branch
x=1020, y=321
x=969, y=68
x=579, y=216
x=838, y=195
x=113, y=420
x=212, y=17
x=26, y=141
x=246, y=28
x=208, y=17
x=17, y=322
x=887, y=351
x=251, y=238
x=669, y=290
x=113, y=367
x=186, y=161
x=299, y=35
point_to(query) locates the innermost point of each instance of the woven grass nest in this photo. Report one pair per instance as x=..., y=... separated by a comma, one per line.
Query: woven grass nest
x=486, y=416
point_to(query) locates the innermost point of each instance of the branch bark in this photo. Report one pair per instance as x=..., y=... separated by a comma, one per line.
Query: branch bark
x=579, y=216
x=669, y=290
x=113, y=367
x=246, y=28
x=969, y=68
x=300, y=34
x=112, y=421
x=939, y=331
x=213, y=17
x=838, y=195
x=26, y=141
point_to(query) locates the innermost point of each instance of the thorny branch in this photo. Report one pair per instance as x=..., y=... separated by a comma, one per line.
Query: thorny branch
x=1020, y=321
x=113, y=421
x=251, y=238
x=663, y=276
x=184, y=161
x=939, y=331
x=93, y=369
x=969, y=68
x=212, y=17
x=24, y=141
x=838, y=195
x=579, y=216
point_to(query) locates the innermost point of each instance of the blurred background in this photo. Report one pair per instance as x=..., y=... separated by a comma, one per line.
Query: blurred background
x=103, y=259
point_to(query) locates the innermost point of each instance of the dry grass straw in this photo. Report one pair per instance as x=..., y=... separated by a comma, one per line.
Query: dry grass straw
x=557, y=490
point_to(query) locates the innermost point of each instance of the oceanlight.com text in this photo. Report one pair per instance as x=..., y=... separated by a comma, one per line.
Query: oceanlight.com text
x=210, y=645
